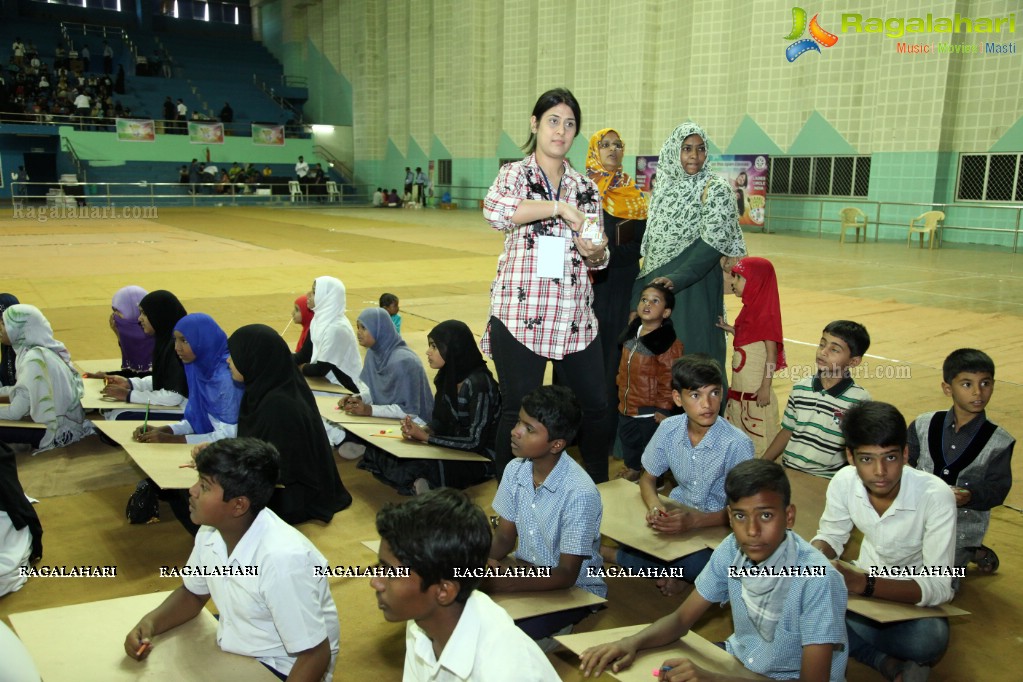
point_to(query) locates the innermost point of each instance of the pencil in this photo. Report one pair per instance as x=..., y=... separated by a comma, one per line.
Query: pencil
x=145, y=423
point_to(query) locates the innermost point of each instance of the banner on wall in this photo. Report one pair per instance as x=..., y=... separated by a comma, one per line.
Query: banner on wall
x=747, y=175
x=646, y=172
x=136, y=130
x=269, y=135
x=200, y=132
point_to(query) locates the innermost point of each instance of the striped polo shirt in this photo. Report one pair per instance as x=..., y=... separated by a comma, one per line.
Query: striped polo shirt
x=814, y=416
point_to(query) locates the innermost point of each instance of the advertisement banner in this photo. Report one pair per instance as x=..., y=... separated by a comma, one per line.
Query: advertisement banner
x=200, y=132
x=747, y=174
x=136, y=130
x=646, y=172
x=271, y=135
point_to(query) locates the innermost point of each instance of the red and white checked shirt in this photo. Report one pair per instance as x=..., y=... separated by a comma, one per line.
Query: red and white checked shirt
x=551, y=317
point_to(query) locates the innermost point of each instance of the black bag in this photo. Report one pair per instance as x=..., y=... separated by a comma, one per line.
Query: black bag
x=144, y=503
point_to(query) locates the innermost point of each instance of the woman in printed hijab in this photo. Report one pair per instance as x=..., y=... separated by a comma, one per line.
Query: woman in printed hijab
x=136, y=346
x=48, y=390
x=8, y=372
x=625, y=211
x=693, y=223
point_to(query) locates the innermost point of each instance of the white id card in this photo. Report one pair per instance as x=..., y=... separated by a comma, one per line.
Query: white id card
x=550, y=257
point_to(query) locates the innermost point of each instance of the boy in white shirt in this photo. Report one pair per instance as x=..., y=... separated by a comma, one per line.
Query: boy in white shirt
x=908, y=521
x=454, y=631
x=279, y=607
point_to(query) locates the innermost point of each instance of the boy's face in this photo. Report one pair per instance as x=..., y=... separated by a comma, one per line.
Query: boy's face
x=834, y=356
x=879, y=467
x=651, y=306
x=759, y=523
x=392, y=309
x=700, y=404
x=970, y=391
x=529, y=439
x=206, y=505
x=400, y=598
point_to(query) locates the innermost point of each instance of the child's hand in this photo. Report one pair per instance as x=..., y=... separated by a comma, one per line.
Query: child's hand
x=354, y=405
x=855, y=579
x=665, y=281
x=674, y=522
x=764, y=394
x=684, y=670
x=412, y=431
x=963, y=496
x=660, y=417
x=653, y=514
x=138, y=643
x=115, y=391
x=616, y=655
x=729, y=329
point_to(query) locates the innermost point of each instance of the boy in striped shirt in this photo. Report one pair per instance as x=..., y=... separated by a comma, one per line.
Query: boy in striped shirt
x=811, y=439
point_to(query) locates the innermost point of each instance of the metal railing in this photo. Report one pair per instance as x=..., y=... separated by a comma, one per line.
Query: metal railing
x=990, y=220
x=69, y=29
x=334, y=162
x=70, y=149
x=270, y=92
x=166, y=127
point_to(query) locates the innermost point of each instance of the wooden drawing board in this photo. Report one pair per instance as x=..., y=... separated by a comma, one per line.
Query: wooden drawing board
x=161, y=461
x=884, y=611
x=328, y=409
x=394, y=444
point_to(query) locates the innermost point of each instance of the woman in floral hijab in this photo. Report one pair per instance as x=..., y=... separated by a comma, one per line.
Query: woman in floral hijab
x=49, y=390
x=693, y=223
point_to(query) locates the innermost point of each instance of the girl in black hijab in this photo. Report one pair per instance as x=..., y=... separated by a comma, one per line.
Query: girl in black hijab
x=279, y=408
x=159, y=312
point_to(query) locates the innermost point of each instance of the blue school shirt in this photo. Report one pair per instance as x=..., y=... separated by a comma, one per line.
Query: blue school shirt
x=562, y=516
x=700, y=471
x=813, y=613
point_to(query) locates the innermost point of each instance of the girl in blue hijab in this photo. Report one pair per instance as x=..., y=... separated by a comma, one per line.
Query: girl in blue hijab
x=214, y=397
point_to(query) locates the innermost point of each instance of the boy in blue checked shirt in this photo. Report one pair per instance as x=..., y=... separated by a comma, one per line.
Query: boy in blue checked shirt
x=789, y=624
x=550, y=505
x=700, y=448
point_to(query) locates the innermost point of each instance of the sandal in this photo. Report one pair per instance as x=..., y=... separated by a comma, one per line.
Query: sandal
x=986, y=559
x=629, y=474
x=906, y=671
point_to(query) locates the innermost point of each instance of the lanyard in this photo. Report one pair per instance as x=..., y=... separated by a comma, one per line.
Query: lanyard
x=550, y=190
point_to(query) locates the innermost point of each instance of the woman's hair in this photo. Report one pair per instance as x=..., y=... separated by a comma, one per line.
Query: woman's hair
x=548, y=101
x=740, y=200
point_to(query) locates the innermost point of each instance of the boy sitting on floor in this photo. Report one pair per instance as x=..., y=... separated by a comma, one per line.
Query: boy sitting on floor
x=285, y=617
x=699, y=448
x=453, y=631
x=810, y=439
x=968, y=452
x=550, y=505
x=788, y=620
x=908, y=522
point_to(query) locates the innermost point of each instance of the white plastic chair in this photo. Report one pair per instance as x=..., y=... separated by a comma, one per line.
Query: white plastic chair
x=930, y=224
x=855, y=219
x=295, y=189
x=332, y=193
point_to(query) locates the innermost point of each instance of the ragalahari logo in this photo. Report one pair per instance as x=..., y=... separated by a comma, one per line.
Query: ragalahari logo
x=817, y=35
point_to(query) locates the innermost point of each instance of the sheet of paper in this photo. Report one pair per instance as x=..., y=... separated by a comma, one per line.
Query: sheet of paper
x=550, y=260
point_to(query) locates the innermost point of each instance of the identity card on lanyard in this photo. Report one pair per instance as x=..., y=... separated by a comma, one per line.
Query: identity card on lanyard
x=550, y=257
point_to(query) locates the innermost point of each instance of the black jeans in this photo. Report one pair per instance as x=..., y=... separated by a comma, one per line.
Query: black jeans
x=520, y=370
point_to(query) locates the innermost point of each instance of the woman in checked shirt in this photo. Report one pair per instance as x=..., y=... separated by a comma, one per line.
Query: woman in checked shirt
x=541, y=299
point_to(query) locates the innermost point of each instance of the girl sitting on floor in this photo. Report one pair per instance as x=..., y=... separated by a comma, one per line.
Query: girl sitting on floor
x=213, y=396
x=8, y=372
x=466, y=408
x=330, y=350
x=279, y=408
x=136, y=346
x=48, y=389
x=302, y=315
x=396, y=383
x=166, y=386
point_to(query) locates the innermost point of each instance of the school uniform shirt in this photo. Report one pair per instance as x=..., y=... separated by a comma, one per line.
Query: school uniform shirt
x=561, y=516
x=550, y=317
x=486, y=646
x=814, y=415
x=285, y=608
x=813, y=613
x=699, y=470
x=917, y=530
x=142, y=391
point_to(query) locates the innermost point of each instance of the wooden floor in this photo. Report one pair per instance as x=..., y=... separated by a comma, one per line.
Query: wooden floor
x=247, y=265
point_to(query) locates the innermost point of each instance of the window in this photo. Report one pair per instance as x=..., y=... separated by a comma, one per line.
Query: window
x=825, y=176
x=990, y=177
x=444, y=172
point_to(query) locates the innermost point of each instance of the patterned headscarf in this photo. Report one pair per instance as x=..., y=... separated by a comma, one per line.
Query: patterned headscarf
x=620, y=196
x=680, y=212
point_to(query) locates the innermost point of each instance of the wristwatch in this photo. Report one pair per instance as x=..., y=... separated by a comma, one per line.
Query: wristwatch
x=868, y=591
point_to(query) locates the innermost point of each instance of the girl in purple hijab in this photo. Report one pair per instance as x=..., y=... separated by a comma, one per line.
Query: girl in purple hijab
x=136, y=347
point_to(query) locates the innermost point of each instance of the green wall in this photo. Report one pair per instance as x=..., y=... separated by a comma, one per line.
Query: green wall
x=103, y=148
